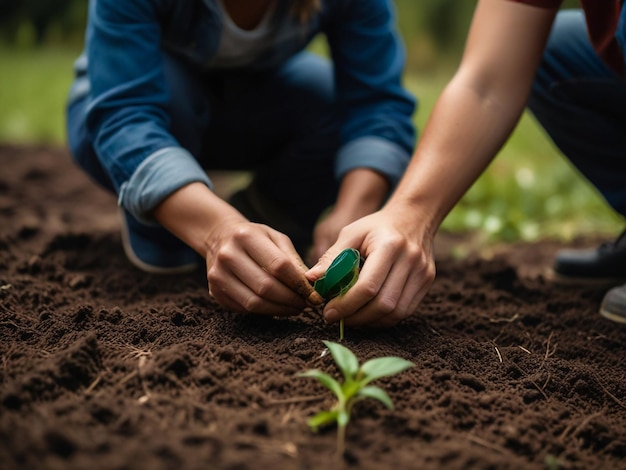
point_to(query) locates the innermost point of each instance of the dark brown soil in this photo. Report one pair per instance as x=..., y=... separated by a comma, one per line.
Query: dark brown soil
x=105, y=367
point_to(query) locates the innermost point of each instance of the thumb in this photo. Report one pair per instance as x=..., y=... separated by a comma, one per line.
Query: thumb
x=323, y=263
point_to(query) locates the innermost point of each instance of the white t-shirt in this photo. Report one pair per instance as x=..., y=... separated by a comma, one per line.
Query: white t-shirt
x=239, y=47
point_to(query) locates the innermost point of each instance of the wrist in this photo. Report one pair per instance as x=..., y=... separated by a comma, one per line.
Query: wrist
x=416, y=217
x=193, y=212
x=363, y=191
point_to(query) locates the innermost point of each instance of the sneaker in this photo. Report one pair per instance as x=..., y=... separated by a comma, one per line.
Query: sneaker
x=258, y=208
x=613, y=305
x=153, y=249
x=605, y=265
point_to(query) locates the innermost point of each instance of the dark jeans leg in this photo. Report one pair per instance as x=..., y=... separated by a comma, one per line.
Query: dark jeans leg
x=581, y=104
x=283, y=126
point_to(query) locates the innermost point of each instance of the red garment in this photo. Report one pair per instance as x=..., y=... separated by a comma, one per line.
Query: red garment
x=602, y=18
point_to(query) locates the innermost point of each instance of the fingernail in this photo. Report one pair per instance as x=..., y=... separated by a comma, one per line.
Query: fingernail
x=331, y=316
x=315, y=298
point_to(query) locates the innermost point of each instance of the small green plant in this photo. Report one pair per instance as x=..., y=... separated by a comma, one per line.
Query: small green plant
x=355, y=387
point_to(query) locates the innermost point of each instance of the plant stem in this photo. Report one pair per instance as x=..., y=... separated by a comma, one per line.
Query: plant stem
x=341, y=443
x=341, y=330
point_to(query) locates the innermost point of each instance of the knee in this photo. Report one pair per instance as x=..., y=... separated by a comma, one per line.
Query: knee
x=566, y=30
x=567, y=38
x=310, y=78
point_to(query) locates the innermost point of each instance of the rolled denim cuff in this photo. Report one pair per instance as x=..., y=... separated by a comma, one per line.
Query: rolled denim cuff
x=375, y=153
x=158, y=176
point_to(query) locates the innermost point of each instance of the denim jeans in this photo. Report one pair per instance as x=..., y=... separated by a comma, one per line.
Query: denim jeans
x=581, y=103
x=281, y=125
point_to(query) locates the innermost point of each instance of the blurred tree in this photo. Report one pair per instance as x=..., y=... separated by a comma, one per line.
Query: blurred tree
x=40, y=15
x=435, y=30
x=431, y=28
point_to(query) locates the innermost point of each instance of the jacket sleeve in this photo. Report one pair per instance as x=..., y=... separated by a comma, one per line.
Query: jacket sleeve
x=369, y=60
x=127, y=119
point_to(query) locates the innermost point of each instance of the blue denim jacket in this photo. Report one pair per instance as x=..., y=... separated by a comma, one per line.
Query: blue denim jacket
x=127, y=121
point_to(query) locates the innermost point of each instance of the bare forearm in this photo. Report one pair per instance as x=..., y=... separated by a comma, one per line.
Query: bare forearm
x=191, y=212
x=478, y=109
x=362, y=192
x=463, y=135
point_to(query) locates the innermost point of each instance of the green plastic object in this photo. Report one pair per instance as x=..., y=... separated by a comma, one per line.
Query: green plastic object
x=340, y=275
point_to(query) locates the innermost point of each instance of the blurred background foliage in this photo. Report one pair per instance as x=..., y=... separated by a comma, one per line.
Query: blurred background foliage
x=529, y=191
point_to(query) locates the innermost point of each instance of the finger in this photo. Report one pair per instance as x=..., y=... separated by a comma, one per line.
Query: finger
x=386, y=302
x=285, y=244
x=372, y=277
x=264, y=285
x=231, y=293
x=281, y=261
x=417, y=286
x=414, y=305
x=324, y=262
x=230, y=279
x=412, y=296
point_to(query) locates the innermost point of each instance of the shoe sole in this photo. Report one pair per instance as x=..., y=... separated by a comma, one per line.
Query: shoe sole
x=135, y=261
x=583, y=281
x=611, y=316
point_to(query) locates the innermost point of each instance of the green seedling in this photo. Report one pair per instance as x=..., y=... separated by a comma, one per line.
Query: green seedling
x=340, y=276
x=355, y=387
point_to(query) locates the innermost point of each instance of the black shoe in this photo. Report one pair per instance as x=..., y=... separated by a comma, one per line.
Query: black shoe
x=258, y=208
x=614, y=304
x=605, y=265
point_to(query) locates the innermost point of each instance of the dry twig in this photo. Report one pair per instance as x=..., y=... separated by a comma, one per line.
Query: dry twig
x=505, y=320
x=498, y=352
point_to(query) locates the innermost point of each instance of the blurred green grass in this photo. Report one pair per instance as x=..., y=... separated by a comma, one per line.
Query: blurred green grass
x=529, y=192
x=33, y=88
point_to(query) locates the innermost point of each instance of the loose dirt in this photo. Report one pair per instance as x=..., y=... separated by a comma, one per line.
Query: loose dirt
x=105, y=367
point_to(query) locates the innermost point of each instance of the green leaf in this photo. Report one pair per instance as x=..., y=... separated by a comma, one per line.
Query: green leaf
x=323, y=418
x=383, y=367
x=377, y=393
x=351, y=388
x=326, y=380
x=345, y=359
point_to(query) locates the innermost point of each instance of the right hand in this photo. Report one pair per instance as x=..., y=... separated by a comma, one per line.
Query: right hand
x=252, y=268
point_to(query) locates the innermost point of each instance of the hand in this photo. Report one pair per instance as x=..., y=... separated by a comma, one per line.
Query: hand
x=398, y=271
x=250, y=267
x=327, y=231
x=253, y=268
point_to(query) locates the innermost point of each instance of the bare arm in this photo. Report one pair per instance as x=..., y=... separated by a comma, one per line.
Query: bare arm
x=479, y=108
x=472, y=119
